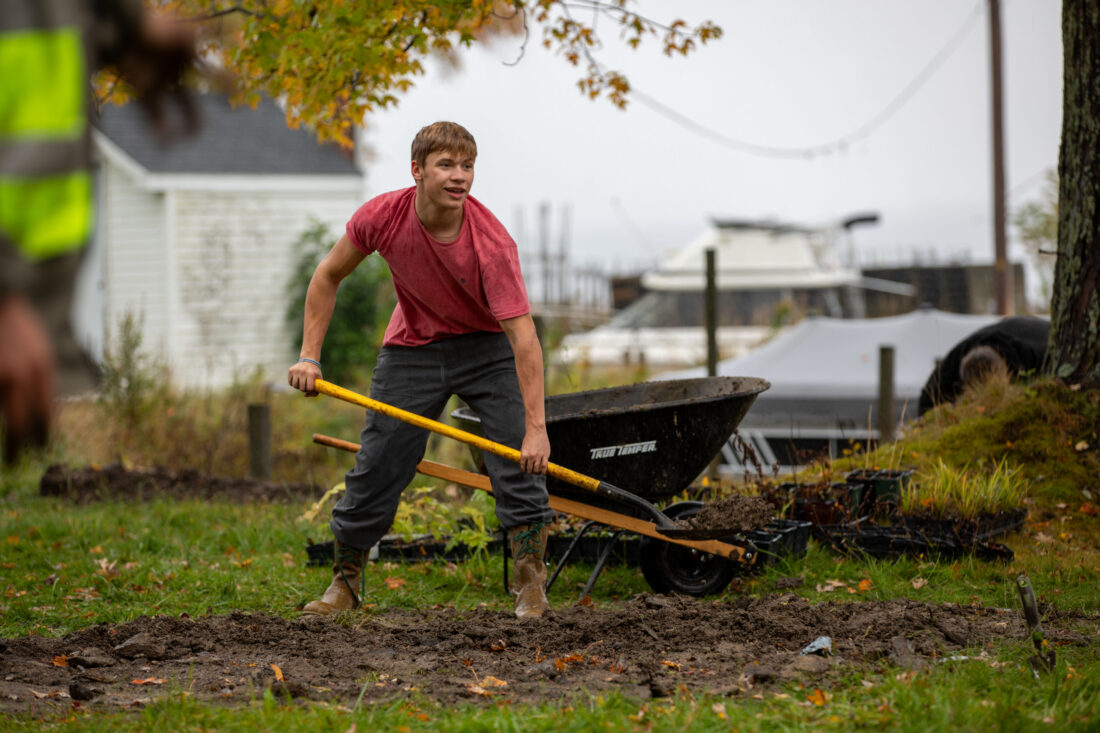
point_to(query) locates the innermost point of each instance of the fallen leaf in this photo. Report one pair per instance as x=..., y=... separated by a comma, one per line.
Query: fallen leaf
x=818, y=697
x=1043, y=539
x=673, y=665
x=61, y=661
x=1088, y=508
x=1081, y=446
x=919, y=583
x=149, y=681
x=97, y=550
x=394, y=583
x=865, y=585
x=51, y=693
x=499, y=645
x=719, y=709
x=491, y=681
x=107, y=569
x=278, y=672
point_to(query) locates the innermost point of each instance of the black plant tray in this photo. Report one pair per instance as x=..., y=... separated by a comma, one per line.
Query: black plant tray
x=883, y=486
x=897, y=540
x=398, y=550
x=779, y=538
x=968, y=531
x=625, y=551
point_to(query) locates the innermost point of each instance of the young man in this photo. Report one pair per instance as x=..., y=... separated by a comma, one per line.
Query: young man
x=462, y=326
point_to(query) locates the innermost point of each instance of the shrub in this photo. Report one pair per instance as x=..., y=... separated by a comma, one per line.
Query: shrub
x=363, y=306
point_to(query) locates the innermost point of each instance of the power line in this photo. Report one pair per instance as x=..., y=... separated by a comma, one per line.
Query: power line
x=841, y=143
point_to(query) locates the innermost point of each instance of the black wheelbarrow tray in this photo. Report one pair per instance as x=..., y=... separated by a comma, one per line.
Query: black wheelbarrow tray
x=656, y=437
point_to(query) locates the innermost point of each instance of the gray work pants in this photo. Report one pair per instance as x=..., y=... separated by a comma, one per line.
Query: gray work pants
x=480, y=369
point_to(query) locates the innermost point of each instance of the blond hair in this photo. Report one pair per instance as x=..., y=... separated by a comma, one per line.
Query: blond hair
x=449, y=137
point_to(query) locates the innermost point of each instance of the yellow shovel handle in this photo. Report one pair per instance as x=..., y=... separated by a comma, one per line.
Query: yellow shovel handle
x=553, y=469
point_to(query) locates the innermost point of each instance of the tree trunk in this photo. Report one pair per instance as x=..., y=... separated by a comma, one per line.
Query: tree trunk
x=1074, y=352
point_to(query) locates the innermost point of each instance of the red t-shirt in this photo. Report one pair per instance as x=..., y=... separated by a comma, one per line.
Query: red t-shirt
x=443, y=289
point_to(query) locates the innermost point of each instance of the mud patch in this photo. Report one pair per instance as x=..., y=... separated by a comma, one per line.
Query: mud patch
x=650, y=647
x=115, y=481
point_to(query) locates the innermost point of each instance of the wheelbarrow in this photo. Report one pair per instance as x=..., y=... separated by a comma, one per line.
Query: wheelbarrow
x=659, y=435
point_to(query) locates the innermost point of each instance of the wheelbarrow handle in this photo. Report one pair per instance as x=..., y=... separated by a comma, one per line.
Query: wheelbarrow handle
x=559, y=472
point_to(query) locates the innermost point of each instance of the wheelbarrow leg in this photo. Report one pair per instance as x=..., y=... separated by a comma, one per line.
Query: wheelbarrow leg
x=601, y=562
x=569, y=551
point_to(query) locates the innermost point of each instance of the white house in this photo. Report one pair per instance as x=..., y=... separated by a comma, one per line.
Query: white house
x=196, y=238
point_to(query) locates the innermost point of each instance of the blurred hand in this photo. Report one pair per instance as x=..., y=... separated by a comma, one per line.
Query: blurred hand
x=26, y=377
x=302, y=376
x=155, y=64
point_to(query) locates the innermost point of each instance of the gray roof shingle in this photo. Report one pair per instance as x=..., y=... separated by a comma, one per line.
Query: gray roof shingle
x=231, y=140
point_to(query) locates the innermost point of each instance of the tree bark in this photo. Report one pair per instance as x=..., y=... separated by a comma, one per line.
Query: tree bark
x=1074, y=351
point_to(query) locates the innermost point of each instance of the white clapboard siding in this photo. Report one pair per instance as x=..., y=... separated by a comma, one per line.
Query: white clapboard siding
x=234, y=254
x=135, y=265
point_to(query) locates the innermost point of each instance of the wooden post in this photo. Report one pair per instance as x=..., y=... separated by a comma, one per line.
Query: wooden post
x=885, y=394
x=711, y=321
x=259, y=440
x=1001, y=282
x=711, y=314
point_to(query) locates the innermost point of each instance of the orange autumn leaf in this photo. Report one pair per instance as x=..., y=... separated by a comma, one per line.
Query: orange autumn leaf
x=477, y=690
x=278, y=672
x=149, y=681
x=818, y=697
x=865, y=585
x=394, y=583
x=1088, y=508
x=61, y=661
x=673, y=665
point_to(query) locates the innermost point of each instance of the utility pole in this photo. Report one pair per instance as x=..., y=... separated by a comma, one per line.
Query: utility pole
x=563, y=257
x=1001, y=282
x=544, y=249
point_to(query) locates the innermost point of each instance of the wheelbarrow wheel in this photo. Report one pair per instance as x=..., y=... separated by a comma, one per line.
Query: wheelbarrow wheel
x=672, y=568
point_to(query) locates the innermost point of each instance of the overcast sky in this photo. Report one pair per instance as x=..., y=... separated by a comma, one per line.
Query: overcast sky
x=786, y=74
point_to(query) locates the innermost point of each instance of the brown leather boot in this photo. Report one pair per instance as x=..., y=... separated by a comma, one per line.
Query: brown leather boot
x=347, y=575
x=528, y=543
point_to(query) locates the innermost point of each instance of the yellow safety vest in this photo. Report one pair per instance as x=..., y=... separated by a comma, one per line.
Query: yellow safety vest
x=45, y=180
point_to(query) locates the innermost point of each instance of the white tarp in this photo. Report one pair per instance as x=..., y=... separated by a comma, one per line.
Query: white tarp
x=838, y=358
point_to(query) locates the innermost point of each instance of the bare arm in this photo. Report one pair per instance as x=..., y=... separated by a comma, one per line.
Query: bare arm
x=320, y=302
x=535, y=452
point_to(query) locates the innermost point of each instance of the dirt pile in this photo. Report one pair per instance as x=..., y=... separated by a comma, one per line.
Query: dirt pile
x=650, y=647
x=729, y=515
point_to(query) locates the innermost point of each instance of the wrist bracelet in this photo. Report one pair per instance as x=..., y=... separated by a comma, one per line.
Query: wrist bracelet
x=311, y=361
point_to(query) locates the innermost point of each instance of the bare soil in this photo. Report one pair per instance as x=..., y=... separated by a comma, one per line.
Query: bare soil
x=652, y=646
x=114, y=481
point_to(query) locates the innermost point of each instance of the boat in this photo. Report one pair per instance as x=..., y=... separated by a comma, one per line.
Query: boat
x=768, y=276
